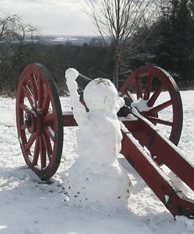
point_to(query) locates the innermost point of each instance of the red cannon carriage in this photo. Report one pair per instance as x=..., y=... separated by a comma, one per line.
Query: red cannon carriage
x=40, y=125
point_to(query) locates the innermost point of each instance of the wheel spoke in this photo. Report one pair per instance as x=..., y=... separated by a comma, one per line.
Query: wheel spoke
x=148, y=87
x=47, y=145
x=29, y=95
x=24, y=107
x=30, y=141
x=139, y=89
x=160, y=121
x=50, y=133
x=48, y=118
x=23, y=126
x=156, y=94
x=160, y=107
x=46, y=103
x=36, y=151
x=43, y=153
x=40, y=92
x=130, y=95
x=34, y=87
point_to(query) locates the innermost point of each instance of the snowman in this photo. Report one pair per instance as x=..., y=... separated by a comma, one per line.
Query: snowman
x=96, y=177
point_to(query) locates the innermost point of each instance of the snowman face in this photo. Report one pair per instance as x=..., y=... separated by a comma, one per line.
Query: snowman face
x=100, y=95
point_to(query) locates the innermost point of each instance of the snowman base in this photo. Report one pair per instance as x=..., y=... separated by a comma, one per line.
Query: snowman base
x=98, y=185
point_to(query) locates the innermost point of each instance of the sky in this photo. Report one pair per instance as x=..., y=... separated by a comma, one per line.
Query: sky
x=53, y=17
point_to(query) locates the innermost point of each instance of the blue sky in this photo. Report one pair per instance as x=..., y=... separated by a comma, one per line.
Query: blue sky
x=54, y=17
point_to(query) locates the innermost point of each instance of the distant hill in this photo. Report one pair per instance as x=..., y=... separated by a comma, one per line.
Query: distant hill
x=61, y=39
x=77, y=40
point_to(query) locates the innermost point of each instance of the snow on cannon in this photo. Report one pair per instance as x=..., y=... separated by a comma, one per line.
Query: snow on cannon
x=145, y=119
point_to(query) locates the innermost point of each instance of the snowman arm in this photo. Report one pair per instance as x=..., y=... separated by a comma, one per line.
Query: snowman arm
x=79, y=110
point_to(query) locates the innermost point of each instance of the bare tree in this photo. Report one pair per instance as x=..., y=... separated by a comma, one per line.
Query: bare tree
x=120, y=19
x=13, y=33
x=13, y=30
x=164, y=7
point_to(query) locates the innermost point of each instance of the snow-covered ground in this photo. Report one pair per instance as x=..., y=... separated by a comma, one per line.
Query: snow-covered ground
x=29, y=206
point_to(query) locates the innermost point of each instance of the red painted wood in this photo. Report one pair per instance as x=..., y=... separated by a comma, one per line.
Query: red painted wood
x=69, y=120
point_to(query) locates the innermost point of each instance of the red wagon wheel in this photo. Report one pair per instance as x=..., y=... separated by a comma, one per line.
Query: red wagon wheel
x=144, y=87
x=39, y=121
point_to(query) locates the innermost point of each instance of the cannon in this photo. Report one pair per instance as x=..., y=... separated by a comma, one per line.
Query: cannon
x=40, y=123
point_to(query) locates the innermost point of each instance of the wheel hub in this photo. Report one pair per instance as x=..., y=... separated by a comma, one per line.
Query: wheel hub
x=34, y=121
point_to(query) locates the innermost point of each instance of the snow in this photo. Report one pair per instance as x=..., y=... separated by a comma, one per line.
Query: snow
x=30, y=206
x=141, y=105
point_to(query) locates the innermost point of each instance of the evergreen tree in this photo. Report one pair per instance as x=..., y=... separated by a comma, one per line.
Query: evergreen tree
x=171, y=40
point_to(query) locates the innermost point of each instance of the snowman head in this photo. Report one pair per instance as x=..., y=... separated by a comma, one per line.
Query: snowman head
x=101, y=95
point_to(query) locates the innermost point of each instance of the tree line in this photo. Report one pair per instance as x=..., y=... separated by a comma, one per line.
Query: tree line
x=167, y=41
x=90, y=60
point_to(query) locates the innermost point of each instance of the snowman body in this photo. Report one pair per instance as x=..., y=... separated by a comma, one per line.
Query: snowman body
x=96, y=177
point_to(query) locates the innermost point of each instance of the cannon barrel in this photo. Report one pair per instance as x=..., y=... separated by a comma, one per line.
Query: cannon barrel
x=82, y=81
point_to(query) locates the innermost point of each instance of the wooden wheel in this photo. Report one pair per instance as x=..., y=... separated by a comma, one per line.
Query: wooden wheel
x=39, y=121
x=144, y=88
